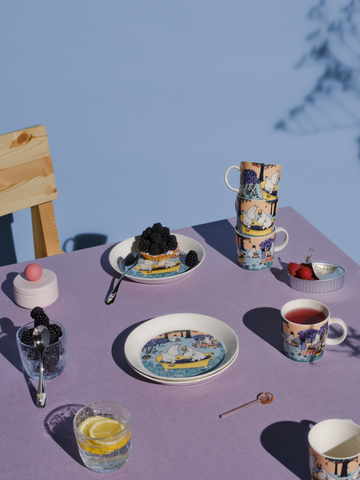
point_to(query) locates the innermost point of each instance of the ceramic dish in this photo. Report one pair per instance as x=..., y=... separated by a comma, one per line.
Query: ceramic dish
x=332, y=278
x=193, y=381
x=215, y=339
x=176, y=270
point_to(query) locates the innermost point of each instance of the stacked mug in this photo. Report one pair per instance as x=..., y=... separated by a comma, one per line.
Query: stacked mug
x=256, y=207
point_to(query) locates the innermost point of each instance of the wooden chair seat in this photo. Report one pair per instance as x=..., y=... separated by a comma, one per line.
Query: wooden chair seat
x=27, y=181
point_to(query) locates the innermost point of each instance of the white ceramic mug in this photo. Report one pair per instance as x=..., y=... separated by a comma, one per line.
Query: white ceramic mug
x=334, y=449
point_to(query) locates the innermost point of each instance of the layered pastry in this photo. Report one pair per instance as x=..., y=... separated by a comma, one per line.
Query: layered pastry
x=157, y=243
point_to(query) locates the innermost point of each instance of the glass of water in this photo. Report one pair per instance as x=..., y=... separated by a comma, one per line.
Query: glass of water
x=103, y=435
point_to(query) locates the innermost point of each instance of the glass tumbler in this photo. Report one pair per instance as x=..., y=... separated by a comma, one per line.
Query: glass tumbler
x=55, y=355
x=103, y=434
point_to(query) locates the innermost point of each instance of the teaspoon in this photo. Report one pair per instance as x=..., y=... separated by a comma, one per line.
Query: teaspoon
x=263, y=398
x=129, y=262
x=41, y=339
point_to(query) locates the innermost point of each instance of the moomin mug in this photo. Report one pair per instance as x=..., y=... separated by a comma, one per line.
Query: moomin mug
x=257, y=180
x=257, y=253
x=305, y=340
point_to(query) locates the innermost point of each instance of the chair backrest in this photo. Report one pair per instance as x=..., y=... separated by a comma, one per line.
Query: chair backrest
x=27, y=181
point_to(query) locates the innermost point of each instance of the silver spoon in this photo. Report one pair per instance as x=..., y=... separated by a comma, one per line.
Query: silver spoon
x=263, y=398
x=129, y=262
x=41, y=339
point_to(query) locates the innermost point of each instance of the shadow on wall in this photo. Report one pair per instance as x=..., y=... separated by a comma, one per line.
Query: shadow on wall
x=84, y=240
x=334, y=102
x=7, y=247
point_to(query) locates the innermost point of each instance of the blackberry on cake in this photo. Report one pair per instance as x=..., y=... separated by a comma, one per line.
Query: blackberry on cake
x=172, y=242
x=146, y=233
x=156, y=243
x=166, y=232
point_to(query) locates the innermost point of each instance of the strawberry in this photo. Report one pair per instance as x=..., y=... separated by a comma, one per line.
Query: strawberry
x=304, y=272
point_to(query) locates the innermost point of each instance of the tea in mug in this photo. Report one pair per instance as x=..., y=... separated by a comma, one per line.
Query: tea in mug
x=305, y=316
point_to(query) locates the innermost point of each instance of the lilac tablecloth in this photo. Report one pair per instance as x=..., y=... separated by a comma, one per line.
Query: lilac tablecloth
x=177, y=432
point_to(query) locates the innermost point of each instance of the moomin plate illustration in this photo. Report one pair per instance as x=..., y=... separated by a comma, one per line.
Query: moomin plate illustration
x=182, y=354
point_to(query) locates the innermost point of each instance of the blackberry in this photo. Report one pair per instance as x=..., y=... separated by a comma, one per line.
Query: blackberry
x=26, y=337
x=144, y=245
x=191, y=259
x=55, y=333
x=157, y=240
x=172, y=242
x=157, y=227
x=146, y=233
x=156, y=237
x=154, y=249
x=165, y=232
x=39, y=316
x=164, y=245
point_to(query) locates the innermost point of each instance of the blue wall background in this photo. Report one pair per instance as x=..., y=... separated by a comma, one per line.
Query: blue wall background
x=147, y=103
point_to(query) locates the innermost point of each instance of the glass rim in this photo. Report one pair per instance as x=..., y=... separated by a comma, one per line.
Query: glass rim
x=32, y=323
x=128, y=421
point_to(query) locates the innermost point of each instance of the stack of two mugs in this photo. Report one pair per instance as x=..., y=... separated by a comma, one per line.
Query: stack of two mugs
x=256, y=206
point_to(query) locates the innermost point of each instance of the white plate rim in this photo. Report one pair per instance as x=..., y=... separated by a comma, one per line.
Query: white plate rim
x=185, y=243
x=180, y=321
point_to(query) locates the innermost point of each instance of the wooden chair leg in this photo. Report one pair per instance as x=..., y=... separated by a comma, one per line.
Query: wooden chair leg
x=46, y=240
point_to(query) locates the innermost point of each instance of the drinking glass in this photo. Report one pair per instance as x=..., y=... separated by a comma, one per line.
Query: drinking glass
x=55, y=355
x=103, y=454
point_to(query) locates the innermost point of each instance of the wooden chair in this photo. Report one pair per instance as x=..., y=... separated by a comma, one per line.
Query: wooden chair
x=27, y=180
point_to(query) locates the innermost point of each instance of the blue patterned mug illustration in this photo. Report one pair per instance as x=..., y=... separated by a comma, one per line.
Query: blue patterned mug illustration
x=256, y=253
x=257, y=180
x=255, y=217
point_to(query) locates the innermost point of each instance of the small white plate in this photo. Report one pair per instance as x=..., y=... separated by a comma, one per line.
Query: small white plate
x=180, y=322
x=122, y=249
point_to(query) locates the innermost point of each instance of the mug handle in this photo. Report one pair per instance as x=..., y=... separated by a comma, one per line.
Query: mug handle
x=226, y=180
x=286, y=239
x=336, y=341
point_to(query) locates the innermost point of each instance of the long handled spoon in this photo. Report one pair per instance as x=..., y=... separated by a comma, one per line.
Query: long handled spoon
x=41, y=339
x=130, y=261
x=263, y=398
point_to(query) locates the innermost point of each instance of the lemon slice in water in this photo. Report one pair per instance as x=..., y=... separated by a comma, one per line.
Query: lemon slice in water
x=105, y=427
x=104, y=432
